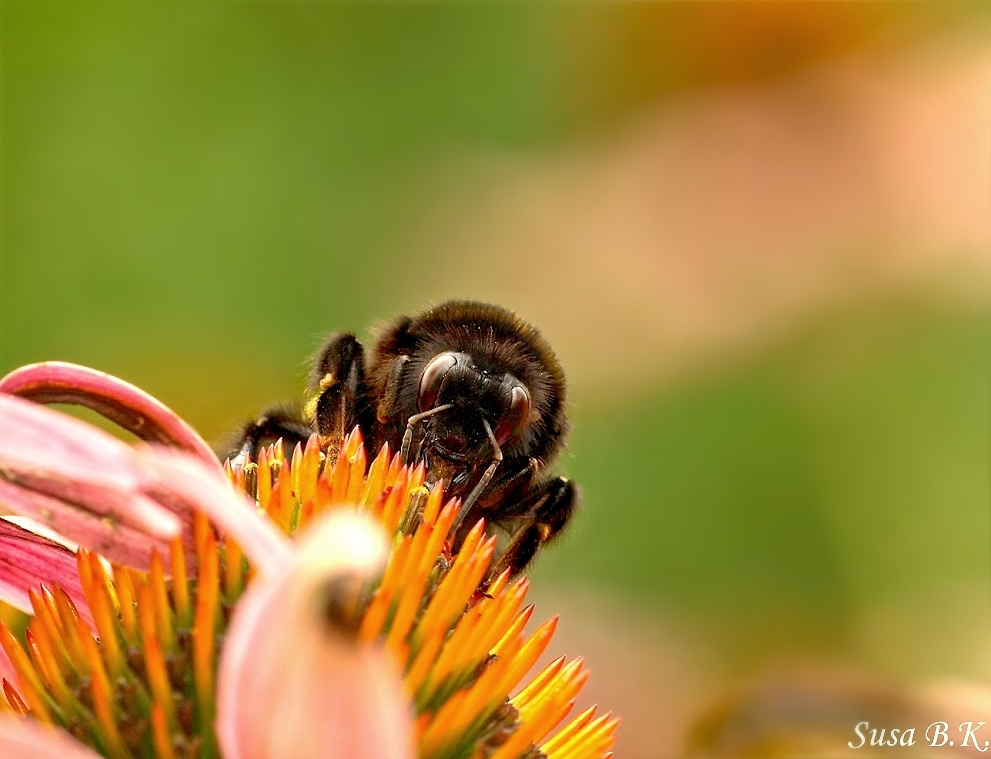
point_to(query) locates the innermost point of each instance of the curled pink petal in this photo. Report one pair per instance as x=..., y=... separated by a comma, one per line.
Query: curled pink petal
x=116, y=499
x=117, y=400
x=39, y=442
x=26, y=739
x=319, y=692
x=173, y=474
x=29, y=561
x=51, y=453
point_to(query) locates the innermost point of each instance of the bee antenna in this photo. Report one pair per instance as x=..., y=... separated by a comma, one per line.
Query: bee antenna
x=415, y=420
x=495, y=443
x=486, y=477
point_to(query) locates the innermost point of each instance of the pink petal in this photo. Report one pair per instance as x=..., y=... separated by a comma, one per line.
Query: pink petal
x=52, y=453
x=174, y=475
x=121, y=402
x=26, y=739
x=116, y=499
x=41, y=442
x=108, y=496
x=316, y=692
x=119, y=543
x=29, y=561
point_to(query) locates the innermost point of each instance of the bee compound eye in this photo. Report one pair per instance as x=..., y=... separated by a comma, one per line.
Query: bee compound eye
x=514, y=421
x=431, y=377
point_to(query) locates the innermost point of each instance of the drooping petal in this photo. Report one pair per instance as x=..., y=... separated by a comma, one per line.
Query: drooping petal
x=178, y=476
x=51, y=453
x=28, y=560
x=119, y=543
x=40, y=442
x=26, y=739
x=116, y=499
x=117, y=400
x=319, y=692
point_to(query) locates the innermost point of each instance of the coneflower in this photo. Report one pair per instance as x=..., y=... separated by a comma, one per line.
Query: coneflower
x=314, y=609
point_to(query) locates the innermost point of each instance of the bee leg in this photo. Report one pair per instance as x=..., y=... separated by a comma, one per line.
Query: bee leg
x=550, y=506
x=512, y=490
x=340, y=392
x=508, y=497
x=272, y=424
x=386, y=407
x=554, y=512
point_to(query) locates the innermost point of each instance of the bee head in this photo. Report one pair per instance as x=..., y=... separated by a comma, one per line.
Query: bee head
x=474, y=398
x=479, y=382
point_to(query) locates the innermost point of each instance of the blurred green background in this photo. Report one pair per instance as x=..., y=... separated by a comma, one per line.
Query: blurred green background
x=193, y=194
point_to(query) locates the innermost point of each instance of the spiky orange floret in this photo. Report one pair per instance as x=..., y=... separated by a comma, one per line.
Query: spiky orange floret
x=143, y=683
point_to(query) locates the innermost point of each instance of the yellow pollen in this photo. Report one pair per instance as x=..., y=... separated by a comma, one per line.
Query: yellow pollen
x=40, y=649
x=158, y=678
x=569, y=730
x=45, y=619
x=233, y=570
x=457, y=631
x=27, y=676
x=160, y=733
x=180, y=585
x=100, y=607
x=128, y=599
x=204, y=626
x=14, y=700
x=160, y=601
x=521, y=699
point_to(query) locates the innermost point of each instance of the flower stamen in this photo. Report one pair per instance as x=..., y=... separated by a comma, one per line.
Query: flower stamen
x=148, y=680
x=204, y=637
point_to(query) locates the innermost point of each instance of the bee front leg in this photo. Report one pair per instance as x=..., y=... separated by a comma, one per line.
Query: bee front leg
x=388, y=405
x=271, y=424
x=340, y=392
x=510, y=495
x=546, y=509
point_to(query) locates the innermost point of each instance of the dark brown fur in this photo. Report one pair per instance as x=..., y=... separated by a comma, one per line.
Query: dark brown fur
x=499, y=350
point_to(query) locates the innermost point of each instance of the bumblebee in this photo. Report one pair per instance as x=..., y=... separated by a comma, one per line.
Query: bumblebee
x=471, y=391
